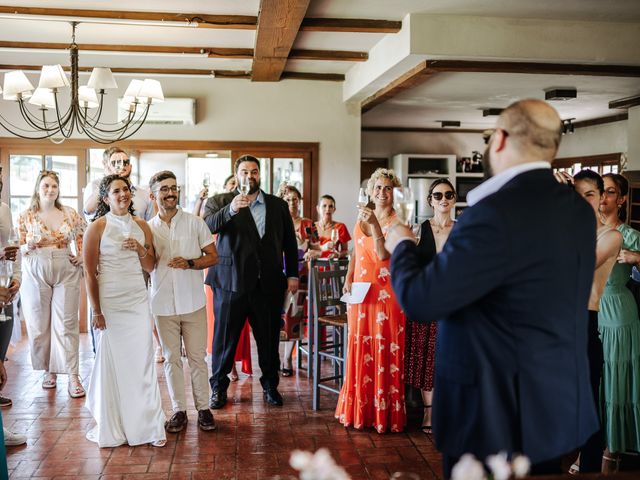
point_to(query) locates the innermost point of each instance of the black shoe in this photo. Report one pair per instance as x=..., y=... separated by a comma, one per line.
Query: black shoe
x=5, y=402
x=273, y=397
x=205, y=420
x=218, y=399
x=176, y=423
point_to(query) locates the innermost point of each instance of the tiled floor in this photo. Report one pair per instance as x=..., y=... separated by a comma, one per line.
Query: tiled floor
x=253, y=441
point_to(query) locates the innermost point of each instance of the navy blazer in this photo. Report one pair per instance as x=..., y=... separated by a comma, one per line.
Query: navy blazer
x=510, y=291
x=244, y=259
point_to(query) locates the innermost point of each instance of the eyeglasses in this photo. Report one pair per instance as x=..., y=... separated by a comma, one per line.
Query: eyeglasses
x=487, y=134
x=166, y=189
x=124, y=162
x=448, y=195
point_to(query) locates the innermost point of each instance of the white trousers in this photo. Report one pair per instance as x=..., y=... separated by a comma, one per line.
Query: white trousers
x=192, y=327
x=50, y=294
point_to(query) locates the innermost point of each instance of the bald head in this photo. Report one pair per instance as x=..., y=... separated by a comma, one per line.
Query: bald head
x=534, y=127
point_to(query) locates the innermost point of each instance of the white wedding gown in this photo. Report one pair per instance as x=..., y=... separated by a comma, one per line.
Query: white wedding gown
x=123, y=394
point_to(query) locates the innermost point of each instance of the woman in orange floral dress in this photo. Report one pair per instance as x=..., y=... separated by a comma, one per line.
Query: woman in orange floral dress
x=373, y=391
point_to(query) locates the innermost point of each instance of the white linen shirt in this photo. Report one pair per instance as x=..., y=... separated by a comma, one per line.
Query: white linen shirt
x=175, y=291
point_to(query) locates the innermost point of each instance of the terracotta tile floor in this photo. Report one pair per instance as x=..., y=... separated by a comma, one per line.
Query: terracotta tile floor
x=253, y=441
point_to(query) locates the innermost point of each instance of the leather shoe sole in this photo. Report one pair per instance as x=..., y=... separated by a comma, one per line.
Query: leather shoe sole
x=273, y=397
x=217, y=400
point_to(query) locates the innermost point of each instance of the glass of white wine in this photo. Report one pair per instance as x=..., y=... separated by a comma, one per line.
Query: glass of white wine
x=71, y=241
x=363, y=198
x=118, y=165
x=404, y=204
x=245, y=186
x=335, y=239
x=14, y=238
x=126, y=229
x=206, y=180
x=6, y=273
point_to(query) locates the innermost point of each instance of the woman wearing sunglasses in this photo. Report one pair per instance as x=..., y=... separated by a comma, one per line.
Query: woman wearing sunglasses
x=421, y=338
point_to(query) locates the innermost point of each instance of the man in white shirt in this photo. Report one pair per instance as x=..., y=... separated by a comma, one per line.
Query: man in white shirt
x=184, y=247
x=116, y=162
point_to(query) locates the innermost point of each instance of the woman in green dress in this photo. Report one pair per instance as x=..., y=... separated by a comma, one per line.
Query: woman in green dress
x=619, y=328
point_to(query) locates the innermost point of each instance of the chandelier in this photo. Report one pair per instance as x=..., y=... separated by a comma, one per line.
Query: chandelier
x=86, y=103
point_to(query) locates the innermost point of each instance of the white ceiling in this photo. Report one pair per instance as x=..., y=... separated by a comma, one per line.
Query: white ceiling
x=462, y=96
x=452, y=96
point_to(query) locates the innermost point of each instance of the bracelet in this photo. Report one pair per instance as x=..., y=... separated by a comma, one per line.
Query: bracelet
x=98, y=314
x=146, y=250
x=378, y=238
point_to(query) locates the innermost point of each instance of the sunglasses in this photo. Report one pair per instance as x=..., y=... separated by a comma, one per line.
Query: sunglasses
x=487, y=134
x=448, y=195
x=125, y=162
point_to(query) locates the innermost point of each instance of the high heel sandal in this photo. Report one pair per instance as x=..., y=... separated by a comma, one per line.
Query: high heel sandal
x=75, y=388
x=426, y=428
x=159, y=443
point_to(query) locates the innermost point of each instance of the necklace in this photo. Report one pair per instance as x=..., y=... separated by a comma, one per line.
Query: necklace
x=437, y=227
x=326, y=226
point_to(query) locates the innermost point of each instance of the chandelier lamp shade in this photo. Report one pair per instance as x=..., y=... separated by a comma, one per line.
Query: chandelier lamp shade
x=40, y=107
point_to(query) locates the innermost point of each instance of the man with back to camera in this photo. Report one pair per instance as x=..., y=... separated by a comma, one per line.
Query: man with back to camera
x=184, y=247
x=249, y=281
x=510, y=292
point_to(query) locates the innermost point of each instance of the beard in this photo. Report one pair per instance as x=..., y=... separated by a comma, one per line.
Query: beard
x=488, y=171
x=254, y=186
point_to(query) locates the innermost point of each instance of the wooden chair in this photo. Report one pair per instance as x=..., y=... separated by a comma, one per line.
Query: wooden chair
x=326, y=281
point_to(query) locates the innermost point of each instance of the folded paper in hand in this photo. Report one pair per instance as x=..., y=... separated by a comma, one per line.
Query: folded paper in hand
x=358, y=292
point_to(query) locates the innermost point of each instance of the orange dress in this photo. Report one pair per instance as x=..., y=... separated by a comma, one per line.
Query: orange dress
x=373, y=390
x=243, y=350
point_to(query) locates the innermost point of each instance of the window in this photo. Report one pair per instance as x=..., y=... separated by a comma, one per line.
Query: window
x=608, y=163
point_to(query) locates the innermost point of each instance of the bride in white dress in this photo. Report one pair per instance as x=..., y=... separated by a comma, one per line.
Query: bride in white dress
x=123, y=394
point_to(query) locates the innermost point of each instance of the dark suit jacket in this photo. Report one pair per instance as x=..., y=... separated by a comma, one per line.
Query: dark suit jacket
x=510, y=291
x=244, y=259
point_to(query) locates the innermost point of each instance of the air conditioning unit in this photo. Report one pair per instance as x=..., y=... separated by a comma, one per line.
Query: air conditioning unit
x=173, y=111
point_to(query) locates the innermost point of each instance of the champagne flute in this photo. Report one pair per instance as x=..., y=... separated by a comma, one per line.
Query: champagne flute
x=71, y=241
x=245, y=186
x=126, y=229
x=417, y=230
x=6, y=272
x=363, y=198
x=36, y=233
x=118, y=165
x=206, y=180
x=14, y=238
x=403, y=204
x=335, y=239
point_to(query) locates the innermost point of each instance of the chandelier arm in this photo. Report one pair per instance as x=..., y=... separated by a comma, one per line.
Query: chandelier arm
x=101, y=125
x=32, y=120
x=122, y=135
x=123, y=127
x=13, y=130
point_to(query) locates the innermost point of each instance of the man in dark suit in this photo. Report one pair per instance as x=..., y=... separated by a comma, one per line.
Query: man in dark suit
x=510, y=292
x=249, y=281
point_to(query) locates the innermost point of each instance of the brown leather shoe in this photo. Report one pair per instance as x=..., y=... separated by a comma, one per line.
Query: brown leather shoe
x=176, y=423
x=205, y=420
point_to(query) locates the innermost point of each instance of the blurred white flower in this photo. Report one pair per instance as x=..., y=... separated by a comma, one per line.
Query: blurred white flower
x=467, y=468
x=520, y=465
x=318, y=466
x=499, y=466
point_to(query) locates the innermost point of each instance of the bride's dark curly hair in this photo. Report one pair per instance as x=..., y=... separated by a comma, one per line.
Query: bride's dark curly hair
x=103, y=191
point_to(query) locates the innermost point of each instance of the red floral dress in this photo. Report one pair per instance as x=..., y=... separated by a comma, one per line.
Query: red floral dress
x=373, y=391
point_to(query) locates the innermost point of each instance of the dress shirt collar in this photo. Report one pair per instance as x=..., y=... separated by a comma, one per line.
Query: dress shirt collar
x=495, y=183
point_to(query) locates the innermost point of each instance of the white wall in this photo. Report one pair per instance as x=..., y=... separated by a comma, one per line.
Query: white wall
x=286, y=111
x=596, y=140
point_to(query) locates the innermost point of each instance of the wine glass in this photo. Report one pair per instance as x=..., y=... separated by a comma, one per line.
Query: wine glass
x=71, y=242
x=335, y=239
x=403, y=204
x=126, y=229
x=36, y=233
x=363, y=198
x=118, y=165
x=6, y=273
x=14, y=238
x=245, y=186
x=206, y=180
x=417, y=230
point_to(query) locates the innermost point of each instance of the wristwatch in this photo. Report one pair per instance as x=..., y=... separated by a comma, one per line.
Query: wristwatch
x=191, y=264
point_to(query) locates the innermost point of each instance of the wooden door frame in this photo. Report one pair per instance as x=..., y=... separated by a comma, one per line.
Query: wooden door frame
x=307, y=150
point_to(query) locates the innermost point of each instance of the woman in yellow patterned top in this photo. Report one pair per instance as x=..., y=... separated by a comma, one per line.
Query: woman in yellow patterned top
x=51, y=240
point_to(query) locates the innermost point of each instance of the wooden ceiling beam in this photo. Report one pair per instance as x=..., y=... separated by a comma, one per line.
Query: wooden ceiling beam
x=333, y=77
x=278, y=25
x=353, y=25
x=201, y=20
x=417, y=75
x=533, y=68
x=211, y=52
x=242, y=22
x=625, y=103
